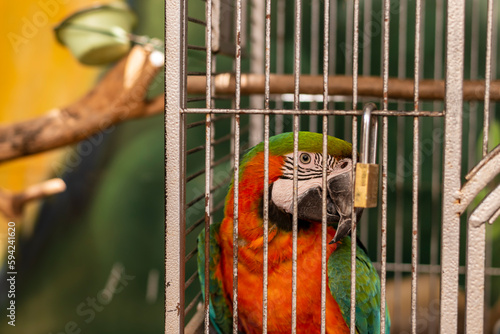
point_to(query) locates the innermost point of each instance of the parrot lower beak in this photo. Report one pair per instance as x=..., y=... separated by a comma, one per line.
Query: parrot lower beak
x=343, y=229
x=340, y=191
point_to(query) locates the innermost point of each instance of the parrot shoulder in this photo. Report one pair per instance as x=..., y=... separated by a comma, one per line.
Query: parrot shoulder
x=367, y=287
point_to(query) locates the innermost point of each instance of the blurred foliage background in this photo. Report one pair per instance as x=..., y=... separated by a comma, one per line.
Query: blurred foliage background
x=38, y=75
x=107, y=229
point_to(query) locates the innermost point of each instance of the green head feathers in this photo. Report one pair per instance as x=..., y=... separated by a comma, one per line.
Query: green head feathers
x=308, y=141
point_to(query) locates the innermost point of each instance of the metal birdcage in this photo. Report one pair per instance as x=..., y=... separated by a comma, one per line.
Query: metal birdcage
x=430, y=66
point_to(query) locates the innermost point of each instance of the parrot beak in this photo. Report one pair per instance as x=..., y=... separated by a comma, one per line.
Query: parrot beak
x=310, y=202
x=340, y=192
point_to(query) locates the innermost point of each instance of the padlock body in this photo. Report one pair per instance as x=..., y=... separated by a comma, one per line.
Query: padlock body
x=366, y=185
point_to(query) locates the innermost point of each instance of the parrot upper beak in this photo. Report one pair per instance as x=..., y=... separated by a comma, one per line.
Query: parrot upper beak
x=340, y=191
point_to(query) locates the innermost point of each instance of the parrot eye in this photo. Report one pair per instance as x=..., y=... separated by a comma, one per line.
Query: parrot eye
x=305, y=158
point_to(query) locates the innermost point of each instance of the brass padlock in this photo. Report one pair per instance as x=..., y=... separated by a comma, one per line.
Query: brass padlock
x=367, y=171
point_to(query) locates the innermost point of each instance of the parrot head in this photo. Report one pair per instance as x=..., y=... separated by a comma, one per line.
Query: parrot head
x=310, y=181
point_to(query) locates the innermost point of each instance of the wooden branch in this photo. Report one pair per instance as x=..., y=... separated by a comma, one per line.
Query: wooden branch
x=12, y=204
x=340, y=85
x=119, y=96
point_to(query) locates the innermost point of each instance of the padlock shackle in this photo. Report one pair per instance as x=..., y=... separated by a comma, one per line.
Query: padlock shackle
x=369, y=134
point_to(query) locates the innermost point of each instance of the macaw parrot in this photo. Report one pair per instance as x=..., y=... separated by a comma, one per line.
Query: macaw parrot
x=250, y=245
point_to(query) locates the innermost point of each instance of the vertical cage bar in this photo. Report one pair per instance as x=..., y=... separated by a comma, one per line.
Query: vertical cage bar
x=295, y=221
x=451, y=166
x=400, y=153
x=349, y=57
x=324, y=226
x=332, y=51
x=474, y=62
x=296, y=126
x=175, y=99
x=493, y=106
x=265, y=255
x=326, y=55
x=208, y=205
x=474, y=311
x=476, y=235
x=324, y=230
x=239, y=11
x=416, y=170
x=353, y=230
x=385, y=88
x=235, y=222
x=417, y=61
x=208, y=160
x=414, y=236
x=367, y=48
x=355, y=56
x=355, y=59
x=383, y=268
x=486, y=120
x=472, y=158
x=266, y=225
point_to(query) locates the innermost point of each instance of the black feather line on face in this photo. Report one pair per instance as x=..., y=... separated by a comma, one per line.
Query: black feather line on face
x=306, y=173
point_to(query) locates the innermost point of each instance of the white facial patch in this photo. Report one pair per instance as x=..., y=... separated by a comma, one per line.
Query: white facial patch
x=310, y=176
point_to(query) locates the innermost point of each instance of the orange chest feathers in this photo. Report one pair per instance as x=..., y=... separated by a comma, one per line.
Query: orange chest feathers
x=279, y=299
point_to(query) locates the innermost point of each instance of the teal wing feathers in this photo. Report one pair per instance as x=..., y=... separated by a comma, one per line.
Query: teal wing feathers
x=220, y=313
x=367, y=288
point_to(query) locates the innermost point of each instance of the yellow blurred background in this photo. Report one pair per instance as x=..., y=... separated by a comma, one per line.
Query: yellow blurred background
x=38, y=74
